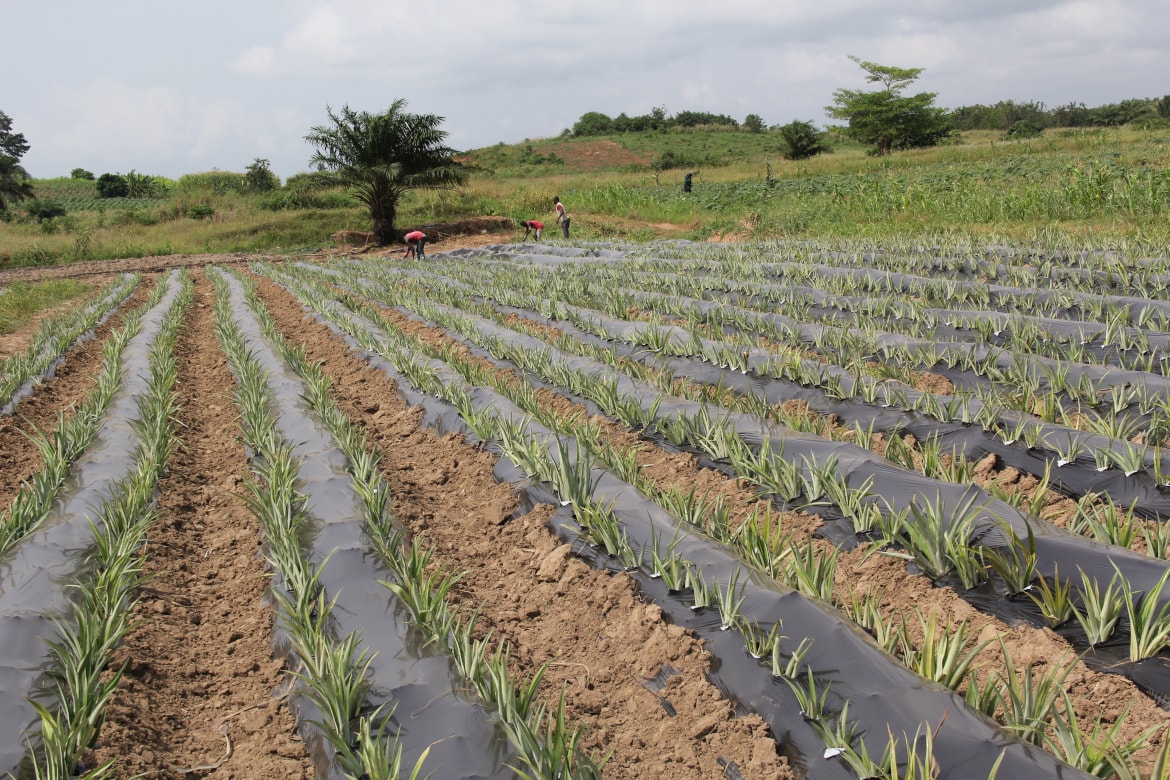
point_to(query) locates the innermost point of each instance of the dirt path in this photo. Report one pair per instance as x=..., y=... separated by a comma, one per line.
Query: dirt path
x=99, y=269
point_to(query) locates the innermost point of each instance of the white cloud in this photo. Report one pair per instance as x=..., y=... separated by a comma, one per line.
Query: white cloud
x=259, y=74
x=257, y=61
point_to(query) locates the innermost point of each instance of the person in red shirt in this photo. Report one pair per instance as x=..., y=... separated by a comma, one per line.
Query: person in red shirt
x=415, y=240
x=532, y=225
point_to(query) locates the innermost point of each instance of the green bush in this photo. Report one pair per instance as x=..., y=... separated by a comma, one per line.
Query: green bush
x=111, y=185
x=44, y=210
x=260, y=178
x=802, y=140
x=200, y=211
x=675, y=159
x=1024, y=128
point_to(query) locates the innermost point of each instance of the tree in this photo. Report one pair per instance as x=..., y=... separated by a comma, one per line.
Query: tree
x=14, y=180
x=11, y=144
x=81, y=173
x=260, y=177
x=382, y=156
x=753, y=123
x=886, y=118
x=593, y=123
x=111, y=185
x=802, y=140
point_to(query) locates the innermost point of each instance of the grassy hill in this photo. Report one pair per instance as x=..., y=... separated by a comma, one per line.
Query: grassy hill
x=1075, y=186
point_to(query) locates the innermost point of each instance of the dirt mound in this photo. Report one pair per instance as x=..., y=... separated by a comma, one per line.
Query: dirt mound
x=593, y=155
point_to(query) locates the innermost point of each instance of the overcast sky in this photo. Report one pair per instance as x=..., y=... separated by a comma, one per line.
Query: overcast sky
x=168, y=88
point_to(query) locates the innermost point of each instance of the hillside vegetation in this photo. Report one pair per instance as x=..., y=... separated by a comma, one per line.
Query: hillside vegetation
x=1079, y=186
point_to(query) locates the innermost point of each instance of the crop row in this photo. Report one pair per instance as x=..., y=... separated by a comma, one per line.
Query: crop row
x=508, y=331
x=644, y=411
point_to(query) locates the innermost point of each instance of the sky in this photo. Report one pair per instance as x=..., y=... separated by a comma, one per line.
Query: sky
x=168, y=88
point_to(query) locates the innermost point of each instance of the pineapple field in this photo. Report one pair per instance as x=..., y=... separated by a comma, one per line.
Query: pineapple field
x=789, y=509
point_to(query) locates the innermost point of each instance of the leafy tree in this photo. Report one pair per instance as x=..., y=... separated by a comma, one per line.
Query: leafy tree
x=382, y=156
x=593, y=123
x=802, y=140
x=886, y=118
x=11, y=144
x=111, y=185
x=14, y=180
x=753, y=123
x=81, y=174
x=260, y=177
x=1163, y=106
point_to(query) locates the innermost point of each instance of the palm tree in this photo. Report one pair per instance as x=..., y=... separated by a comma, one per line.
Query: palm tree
x=382, y=156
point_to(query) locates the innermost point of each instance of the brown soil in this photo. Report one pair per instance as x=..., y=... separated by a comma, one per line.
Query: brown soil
x=594, y=155
x=99, y=270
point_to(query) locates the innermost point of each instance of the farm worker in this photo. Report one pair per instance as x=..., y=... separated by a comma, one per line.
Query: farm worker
x=530, y=226
x=687, y=182
x=415, y=240
x=562, y=215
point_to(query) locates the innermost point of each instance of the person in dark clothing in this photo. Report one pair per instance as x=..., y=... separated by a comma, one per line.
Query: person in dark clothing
x=687, y=182
x=562, y=215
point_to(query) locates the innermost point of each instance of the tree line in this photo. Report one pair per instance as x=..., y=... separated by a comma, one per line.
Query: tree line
x=1004, y=115
x=597, y=123
x=1007, y=114
x=889, y=119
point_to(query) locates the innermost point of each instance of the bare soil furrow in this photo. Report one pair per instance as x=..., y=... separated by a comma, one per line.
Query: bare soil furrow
x=201, y=687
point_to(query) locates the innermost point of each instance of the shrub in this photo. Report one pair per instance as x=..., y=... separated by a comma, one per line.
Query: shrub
x=81, y=173
x=44, y=210
x=672, y=159
x=200, y=211
x=802, y=140
x=111, y=185
x=1024, y=128
x=260, y=177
